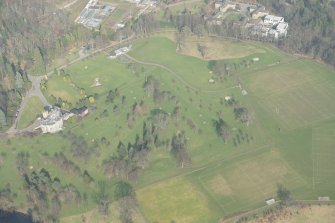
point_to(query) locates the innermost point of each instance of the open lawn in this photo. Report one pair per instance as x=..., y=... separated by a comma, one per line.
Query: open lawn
x=111, y=74
x=323, y=158
x=60, y=86
x=248, y=181
x=289, y=140
x=177, y=200
x=297, y=94
x=216, y=48
x=33, y=108
x=193, y=70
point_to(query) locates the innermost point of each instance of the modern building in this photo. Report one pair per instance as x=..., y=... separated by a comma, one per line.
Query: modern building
x=273, y=20
x=282, y=28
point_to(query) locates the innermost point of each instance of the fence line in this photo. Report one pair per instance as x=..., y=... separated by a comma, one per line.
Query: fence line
x=260, y=210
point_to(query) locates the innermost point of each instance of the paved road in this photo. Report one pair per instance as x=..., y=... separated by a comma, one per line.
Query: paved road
x=182, y=3
x=70, y=4
x=36, y=90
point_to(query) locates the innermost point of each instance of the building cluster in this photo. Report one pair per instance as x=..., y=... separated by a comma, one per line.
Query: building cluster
x=271, y=26
x=53, y=118
x=94, y=14
x=253, y=17
x=119, y=52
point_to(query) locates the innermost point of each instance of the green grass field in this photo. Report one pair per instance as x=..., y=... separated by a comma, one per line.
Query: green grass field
x=111, y=74
x=189, y=206
x=251, y=179
x=61, y=87
x=291, y=137
x=323, y=158
x=216, y=48
x=33, y=108
x=296, y=94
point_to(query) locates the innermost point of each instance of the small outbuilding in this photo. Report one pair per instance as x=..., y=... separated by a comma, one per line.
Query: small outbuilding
x=270, y=201
x=323, y=199
x=83, y=111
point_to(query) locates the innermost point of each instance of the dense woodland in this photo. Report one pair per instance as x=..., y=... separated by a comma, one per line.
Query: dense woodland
x=311, y=32
x=32, y=34
x=312, y=26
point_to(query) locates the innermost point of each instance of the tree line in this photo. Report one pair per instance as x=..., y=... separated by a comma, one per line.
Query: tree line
x=311, y=26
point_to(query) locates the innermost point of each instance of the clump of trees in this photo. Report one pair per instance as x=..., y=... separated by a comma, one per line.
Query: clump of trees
x=160, y=119
x=145, y=24
x=179, y=149
x=222, y=129
x=6, y=199
x=61, y=161
x=243, y=115
x=241, y=137
x=46, y=195
x=220, y=69
x=138, y=109
x=124, y=194
x=283, y=194
x=132, y=157
x=79, y=146
x=152, y=87
x=102, y=197
x=111, y=96
x=22, y=163
x=223, y=70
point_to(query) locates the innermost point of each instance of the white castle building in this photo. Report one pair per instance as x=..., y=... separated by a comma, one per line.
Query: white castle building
x=52, y=120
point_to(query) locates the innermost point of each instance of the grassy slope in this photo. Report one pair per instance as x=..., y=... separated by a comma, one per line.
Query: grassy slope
x=216, y=48
x=222, y=177
x=294, y=152
x=61, y=87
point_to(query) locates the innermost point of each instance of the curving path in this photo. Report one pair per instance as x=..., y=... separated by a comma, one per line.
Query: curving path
x=178, y=76
x=70, y=4
x=35, y=89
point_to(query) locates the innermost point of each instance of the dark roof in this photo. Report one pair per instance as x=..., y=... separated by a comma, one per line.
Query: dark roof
x=78, y=111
